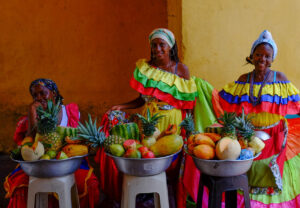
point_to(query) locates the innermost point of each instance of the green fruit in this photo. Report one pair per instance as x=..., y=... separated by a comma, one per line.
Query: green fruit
x=138, y=146
x=45, y=157
x=51, y=153
x=127, y=131
x=133, y=153
x=62, y=155
x=117, y=150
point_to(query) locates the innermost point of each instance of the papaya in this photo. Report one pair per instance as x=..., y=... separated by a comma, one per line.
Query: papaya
x=72, y=141
x=72, y=150
x=204, y=151
x=215, y=137
x=202, y=139
x=167, y=145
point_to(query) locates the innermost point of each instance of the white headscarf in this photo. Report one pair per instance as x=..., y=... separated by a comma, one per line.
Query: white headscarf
x=164, y=34
x=265, y=37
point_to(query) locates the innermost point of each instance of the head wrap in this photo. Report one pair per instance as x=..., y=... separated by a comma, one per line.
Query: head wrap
x=265, y=37
x=48, y=83
x=164, y=34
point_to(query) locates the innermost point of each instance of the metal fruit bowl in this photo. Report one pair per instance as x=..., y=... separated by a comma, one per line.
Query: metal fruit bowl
x=50, y=168
x=143, y=166
x=223, y=168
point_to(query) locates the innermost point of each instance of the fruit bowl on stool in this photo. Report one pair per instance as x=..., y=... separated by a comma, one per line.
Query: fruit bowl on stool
x=50, y=168
x=143, y=166
x=223, y=168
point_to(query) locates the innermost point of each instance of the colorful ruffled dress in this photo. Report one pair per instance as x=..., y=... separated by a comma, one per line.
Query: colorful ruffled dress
x=16, y=183
x=274, y=176
x=164, y=93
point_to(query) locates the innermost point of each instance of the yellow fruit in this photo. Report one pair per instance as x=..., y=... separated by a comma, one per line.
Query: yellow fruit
x=45, y=157
x=228, y=149
x=202, y=139
x=72, y=150
x=204, y=151
x=167, y=145
x=257, y=144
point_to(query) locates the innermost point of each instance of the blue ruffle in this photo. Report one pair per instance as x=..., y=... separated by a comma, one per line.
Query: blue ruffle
x=264, y=98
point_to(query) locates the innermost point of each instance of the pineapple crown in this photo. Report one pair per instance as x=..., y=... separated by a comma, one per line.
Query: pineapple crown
x=47, y=118
x=149, y=122
x=91, y=133
x=244, y=126
x=188, y=124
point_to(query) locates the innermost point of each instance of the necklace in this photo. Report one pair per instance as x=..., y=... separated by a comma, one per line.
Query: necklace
x=255, y=101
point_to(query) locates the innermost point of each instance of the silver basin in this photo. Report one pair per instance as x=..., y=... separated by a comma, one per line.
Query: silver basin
x=50, y=168
x=143, y=166
x=223, y=168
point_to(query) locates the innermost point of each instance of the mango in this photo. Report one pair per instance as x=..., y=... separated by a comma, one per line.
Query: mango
x=167, y=145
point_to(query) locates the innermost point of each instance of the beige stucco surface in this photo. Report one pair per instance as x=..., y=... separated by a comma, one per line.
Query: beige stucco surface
x=218, y=35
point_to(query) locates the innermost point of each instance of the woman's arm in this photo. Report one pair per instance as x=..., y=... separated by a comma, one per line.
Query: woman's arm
x=32, y=119
x=136, y=103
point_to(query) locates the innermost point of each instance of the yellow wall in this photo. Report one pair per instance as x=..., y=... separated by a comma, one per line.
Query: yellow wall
x=218, y=35
x=88, y=47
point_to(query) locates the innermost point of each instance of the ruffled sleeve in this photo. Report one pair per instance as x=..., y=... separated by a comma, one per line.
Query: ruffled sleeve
x=165, y=86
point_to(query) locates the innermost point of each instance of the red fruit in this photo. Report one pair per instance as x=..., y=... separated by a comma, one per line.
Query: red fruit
x=129, y=144
x=148, y=154
x=143, y=149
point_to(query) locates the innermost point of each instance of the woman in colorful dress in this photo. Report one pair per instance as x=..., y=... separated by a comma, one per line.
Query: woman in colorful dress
x=268, y=96
x=16, y=183
x=165, y=87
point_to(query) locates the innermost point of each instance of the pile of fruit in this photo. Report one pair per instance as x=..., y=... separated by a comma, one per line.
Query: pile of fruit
x=57, y=142
x=235, y=140
x=126, y=140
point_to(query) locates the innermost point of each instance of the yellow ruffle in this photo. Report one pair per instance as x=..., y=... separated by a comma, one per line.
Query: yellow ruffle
x=264, y=119
x=280, y=89
x=183, y=85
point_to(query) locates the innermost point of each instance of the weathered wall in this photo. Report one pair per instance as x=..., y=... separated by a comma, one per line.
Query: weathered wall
x=218, y=35
x=88, y=47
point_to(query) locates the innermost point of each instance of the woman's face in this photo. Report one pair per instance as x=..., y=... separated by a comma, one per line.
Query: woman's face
x=160, y=49
x=262, y=57
x=42, y=94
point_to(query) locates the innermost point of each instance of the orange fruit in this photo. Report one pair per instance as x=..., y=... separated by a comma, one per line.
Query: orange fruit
x=202, y=139
x=26, y=140
x=204, y=151
x=191, y=148
x=190, y=139
x=215, y=137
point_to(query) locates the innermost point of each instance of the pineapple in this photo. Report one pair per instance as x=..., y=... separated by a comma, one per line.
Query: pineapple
x=46, y=126
x=228, y=121
x=244, y=129
x=93, y=135
x=188, y=125
x=149, y=130
x=112, y=139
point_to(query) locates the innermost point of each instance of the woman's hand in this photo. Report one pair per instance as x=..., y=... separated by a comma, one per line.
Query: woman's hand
x=115, y=107
x=32, y=118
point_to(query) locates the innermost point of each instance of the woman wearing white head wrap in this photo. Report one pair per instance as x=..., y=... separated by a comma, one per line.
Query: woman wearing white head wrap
x=268, y=97
x=165, y=87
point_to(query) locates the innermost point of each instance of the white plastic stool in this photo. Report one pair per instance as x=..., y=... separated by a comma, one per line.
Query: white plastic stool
x=132, y=186
x=64, y=186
